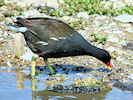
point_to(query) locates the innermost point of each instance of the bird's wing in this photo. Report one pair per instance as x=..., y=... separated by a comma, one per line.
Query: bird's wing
x=47, y=29
x=47, y=36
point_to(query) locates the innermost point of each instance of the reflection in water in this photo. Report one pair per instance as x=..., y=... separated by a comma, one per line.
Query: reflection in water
x=49, y=94
x=19, y=79
x=19, y=76
x=37, y=90
x=45, y=94
x=33, y=89
x=33, y=84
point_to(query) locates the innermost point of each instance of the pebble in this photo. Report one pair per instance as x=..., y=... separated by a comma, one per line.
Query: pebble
x=130, y=76
x=83, y=15
x=130, y=30
x=31, y=13
x=5, y=34
x=107, y=31
x=122, y=42
x=52, y=3
x=1, y=17
x=117, y=32
x=101, y=18
x=82, y=32
x=125, y=18
x=31, y=2
x=111, y=49
x=8, y=20
x=100, y=45
x=112, y=39
x=66, y=18
x=125, y=25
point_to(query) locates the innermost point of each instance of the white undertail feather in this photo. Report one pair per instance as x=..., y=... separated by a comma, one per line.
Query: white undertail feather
x=18, y=29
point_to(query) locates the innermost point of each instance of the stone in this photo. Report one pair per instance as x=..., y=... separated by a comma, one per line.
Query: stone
x=117, y=32
x=125, y=18
x=130, y=76
x=1, y=17
x=111, y=49
x=112, y=39
x=66, y=18
x=83, y=15
x=119, y=59
x=5, y=34
x=130, y=30
x=101, y=17
x=19, y=44
x=107, y=31
x=122, y=42
x=31, y=13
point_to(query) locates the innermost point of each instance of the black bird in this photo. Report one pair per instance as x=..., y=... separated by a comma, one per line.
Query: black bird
x=52, y=38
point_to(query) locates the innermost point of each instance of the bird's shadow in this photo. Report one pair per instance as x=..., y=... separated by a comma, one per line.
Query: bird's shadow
x=71, y=69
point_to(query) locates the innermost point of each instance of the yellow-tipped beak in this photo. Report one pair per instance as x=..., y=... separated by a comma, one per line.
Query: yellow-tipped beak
x=109, y=67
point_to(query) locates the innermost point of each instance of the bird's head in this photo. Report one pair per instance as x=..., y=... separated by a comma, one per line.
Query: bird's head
x=109, y=65
x=107, y=59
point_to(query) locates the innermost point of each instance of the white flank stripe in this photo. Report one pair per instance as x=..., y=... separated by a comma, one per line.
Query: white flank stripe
x=71, y=35
x=62, y=38
x=53, y=38
x=43, y=43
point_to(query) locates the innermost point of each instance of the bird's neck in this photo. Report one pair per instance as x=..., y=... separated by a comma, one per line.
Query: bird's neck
x=95, y=52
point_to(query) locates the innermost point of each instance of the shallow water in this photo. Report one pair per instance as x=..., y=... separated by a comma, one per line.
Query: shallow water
x=14, y=86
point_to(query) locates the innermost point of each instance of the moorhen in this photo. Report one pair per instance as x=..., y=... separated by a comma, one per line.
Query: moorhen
x=52, y=38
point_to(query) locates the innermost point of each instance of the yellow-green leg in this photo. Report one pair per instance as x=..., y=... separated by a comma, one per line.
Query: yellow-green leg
x=33, y=63
x=49, y=66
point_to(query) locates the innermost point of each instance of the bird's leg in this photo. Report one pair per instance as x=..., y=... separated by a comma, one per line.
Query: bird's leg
x=49, y=66
x=33, y=63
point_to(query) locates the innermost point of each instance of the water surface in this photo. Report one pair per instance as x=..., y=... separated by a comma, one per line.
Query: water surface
x=14, y=86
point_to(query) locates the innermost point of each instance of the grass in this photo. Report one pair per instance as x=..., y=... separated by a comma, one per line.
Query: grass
x=55, y=13
x=99, y=39
x=1, y=2
x=79, y=24
x=71, y=7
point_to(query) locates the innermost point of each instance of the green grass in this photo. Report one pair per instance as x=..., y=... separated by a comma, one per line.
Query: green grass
x=71, y=7
x=1, y=2
x=79, y=24
x=55, y=13
x=99, y=39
